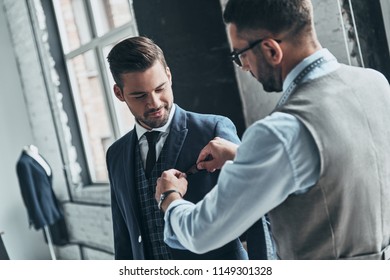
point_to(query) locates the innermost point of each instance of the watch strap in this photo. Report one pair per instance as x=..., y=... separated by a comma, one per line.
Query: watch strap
x=164, y=195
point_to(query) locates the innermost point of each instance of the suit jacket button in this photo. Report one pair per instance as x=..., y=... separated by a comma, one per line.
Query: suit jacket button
x=139, y=239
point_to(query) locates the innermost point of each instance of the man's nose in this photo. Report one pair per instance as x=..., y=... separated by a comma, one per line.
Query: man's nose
x=154, y=100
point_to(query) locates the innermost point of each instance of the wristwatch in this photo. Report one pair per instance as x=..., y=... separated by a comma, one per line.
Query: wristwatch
x=164, y=195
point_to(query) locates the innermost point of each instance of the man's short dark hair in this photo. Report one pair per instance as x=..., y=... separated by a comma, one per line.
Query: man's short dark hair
x=135, y=54
x=275, y=16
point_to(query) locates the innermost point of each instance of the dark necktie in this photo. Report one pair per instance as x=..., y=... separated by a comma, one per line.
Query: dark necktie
x=151, y=157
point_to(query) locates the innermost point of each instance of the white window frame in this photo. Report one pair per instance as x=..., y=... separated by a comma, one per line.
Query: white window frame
x=96, y=45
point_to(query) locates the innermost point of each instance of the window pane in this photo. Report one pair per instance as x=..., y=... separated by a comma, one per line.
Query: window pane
x=125, y=119
x=92, y=113
x=109, y=14
x=73, y=23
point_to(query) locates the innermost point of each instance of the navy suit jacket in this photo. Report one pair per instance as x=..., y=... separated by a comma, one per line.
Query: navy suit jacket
x=37, y=193
x=189, y=133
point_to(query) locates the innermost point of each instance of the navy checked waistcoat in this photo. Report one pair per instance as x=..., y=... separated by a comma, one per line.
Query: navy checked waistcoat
x=152, y=217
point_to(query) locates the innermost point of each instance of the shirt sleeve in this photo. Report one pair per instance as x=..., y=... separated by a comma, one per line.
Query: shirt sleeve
x=277, y=157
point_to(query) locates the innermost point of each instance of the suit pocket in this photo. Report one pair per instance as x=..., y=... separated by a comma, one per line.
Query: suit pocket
x=199, y=184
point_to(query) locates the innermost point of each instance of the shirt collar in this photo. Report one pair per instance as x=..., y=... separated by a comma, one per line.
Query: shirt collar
x=330, y=65
x=141, y=130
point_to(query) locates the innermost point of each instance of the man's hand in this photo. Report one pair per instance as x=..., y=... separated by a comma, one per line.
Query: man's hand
x=214, y=155
x=171, y=180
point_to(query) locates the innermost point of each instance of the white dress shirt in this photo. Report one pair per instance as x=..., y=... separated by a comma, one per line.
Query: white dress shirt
x=143, y=142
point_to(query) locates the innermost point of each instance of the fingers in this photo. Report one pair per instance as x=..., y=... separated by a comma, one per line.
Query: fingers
x=171, y=179
x=204, y=153
x=207, y=155
x=165, y=182
x=211, y=156
x=208, y=165
x=169, y=174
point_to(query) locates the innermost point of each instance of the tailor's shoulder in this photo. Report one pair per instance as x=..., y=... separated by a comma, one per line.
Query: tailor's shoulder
x=367, y=72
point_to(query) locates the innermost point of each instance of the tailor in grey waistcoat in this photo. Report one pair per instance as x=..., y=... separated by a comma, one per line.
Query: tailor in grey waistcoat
x=346, y=215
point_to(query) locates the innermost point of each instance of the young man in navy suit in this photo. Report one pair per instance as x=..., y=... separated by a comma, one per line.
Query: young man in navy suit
x=135, y=161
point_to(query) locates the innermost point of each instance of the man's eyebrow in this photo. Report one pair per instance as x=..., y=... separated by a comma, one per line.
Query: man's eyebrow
x=162, y=84
x=137, y=93
x=144, y=92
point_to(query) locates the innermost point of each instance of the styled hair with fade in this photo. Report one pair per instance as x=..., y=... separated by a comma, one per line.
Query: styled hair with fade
x=275, y=16
x=135, y=54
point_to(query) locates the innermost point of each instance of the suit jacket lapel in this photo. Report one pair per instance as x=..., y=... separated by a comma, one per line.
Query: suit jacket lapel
x=128, y=166
x=176, y=137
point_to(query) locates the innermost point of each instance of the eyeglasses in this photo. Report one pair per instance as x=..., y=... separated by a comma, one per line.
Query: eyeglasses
x=235, y=55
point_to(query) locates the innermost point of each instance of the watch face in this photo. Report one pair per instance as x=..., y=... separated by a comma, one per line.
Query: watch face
x=164, y=195
x=161, y=200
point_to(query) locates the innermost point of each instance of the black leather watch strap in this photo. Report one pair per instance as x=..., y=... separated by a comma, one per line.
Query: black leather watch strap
x=165, y=194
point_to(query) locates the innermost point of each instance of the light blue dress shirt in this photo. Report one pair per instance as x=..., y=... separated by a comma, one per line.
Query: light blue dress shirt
x=277, y=157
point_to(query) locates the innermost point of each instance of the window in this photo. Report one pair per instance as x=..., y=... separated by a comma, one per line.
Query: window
x=88, y=30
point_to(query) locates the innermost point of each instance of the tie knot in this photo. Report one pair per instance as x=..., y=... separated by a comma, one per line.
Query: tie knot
x=152, y=136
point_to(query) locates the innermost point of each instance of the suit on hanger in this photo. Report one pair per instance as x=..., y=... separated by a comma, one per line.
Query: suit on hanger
x=37, y=192
x=39, y=198
x=189, y=133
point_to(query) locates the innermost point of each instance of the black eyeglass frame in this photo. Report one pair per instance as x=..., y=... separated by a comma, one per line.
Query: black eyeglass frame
x=235, y=55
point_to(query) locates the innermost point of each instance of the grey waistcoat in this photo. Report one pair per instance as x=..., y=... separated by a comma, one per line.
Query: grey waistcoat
x=346, y=215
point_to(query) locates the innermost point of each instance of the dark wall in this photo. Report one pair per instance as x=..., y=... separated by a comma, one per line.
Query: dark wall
x=372, y=34
x=193, y=38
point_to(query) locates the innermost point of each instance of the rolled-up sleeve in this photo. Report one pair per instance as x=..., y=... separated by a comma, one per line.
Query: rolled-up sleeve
x=170, y=237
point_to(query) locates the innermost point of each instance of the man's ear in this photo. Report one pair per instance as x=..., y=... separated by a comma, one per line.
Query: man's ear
x=118, y=93
x=272, y=51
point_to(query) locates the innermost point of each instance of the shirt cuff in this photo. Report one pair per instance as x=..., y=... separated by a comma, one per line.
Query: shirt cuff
x=170, y=237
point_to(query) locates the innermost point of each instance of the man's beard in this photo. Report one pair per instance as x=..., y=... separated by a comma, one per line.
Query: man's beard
x=270, y=84
x=155, y=123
